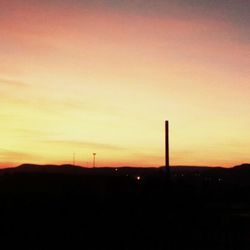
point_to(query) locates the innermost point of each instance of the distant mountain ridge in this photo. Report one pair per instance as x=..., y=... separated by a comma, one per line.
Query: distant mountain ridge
x=35, y=168
x=244, y=166
x=74, y=169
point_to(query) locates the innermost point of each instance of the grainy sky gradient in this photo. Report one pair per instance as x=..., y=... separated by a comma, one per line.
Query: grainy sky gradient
x=102, y=76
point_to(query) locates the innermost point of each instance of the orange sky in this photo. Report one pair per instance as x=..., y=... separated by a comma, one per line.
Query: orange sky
x=103, y=77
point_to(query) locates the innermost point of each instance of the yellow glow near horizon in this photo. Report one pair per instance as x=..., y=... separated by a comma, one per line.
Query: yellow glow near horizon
x=93, y=80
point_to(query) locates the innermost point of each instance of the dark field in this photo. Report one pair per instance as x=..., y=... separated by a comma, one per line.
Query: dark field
x=109, y=209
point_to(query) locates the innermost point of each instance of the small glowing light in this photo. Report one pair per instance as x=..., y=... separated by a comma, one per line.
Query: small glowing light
x=116, y=170
x=138, y=178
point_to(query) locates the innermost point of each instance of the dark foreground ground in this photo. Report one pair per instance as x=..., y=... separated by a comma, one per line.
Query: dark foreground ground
x=114, y=210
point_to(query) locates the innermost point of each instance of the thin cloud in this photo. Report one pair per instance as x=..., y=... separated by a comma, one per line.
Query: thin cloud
x=12, y=83
x=31, y=132
x=6, y=154
x=149, y=156
x=85, y=144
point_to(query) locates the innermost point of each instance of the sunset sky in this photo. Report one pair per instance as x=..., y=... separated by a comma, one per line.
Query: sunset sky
x=102, y=76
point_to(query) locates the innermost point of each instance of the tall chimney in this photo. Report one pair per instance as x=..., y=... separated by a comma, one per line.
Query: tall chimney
x=167, y=149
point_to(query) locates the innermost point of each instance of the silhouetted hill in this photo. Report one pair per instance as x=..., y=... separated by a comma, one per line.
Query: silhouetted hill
x=196, y=175
x=126, y=170
x=33, y=168
x=243, y=167
x=76, y=170
x=193, y=168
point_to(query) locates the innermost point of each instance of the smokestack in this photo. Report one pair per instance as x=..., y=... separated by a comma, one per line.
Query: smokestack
x=167, y=148
x=94, y=154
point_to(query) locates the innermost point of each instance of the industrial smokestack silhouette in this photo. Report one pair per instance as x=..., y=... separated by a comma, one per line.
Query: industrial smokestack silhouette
x=94, y=154
x=167, y=149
